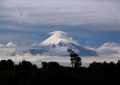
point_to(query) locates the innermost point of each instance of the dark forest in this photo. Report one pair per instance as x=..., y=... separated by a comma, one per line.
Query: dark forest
x=25, y=73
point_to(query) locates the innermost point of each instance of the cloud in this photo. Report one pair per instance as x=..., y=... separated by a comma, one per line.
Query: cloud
x=56, y=51
x=74, y=16
x=65, y=61
x=107, y=49
x=98, y=14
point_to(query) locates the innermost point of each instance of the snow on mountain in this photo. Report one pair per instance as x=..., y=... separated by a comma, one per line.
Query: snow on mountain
x=58, y=43
x=59, y=38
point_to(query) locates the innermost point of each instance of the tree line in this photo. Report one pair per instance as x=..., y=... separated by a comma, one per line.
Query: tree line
x=26, y=73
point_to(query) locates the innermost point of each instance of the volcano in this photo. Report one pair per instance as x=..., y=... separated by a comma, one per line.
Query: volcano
x=58, y=43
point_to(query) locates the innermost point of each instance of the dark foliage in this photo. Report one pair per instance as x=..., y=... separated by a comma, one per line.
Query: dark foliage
x=6, y=65
x=25, y=65
x=25, y=73
x=75, y=58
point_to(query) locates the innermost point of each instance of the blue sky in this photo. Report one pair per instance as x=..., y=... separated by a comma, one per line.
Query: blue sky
x=91, y=22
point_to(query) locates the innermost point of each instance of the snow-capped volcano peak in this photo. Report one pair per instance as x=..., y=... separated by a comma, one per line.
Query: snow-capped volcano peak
x=58, y=43
x=59, y=38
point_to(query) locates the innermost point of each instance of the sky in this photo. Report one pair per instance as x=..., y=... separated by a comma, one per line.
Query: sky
x=90, y=22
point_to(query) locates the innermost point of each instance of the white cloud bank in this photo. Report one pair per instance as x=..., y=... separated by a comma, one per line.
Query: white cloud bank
x=65, y=61
x=107, y=49
x=8, y=49
x=109, y=52
x=101, y=14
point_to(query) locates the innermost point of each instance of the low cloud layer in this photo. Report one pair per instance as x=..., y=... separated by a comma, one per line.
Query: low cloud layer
x=65, y=61
x=107, y=49
x=108, y=52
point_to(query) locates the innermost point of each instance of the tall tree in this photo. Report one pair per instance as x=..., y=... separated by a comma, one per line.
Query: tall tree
x=75, y=59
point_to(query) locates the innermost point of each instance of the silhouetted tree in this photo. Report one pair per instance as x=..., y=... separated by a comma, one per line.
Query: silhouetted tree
x=96, y=74
x=53, y=65
x=6, y=65
x=50, y=66
x=44, y=65
x=25, y=65
x=10, y=64
x=75, y=59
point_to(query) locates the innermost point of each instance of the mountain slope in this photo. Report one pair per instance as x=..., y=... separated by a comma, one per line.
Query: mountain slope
x=58, y=43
